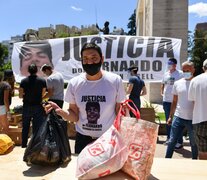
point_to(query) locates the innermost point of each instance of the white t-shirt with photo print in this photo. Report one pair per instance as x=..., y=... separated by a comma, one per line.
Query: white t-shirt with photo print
x=106, y=91
x=168, y=81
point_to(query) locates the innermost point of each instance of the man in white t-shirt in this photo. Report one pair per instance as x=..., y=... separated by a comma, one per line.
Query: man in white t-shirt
x=55, y=85
x=198, y=94
x=181, y=112
x=168, y=80
x=97, y=86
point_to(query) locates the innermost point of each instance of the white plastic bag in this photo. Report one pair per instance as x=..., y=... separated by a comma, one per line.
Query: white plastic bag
x=104, y=156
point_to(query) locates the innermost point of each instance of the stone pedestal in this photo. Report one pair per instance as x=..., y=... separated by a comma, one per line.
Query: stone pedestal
x=153, y=92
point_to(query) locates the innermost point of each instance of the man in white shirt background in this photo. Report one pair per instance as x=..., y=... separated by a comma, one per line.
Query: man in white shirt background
x=168, y=80
x=198, y=94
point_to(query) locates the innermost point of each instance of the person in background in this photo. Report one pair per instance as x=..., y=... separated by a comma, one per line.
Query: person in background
x=9, y=78
x=168, y=80
x=55, y=85
x=105, y=29
x=32, y=90
x=35, y=52
x=5, y=90
x=181, y=112
x=95, y=85
x=135, y=88
x=198, y=94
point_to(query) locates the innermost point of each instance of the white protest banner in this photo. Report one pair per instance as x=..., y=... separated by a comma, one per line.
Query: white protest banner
x=150, y=54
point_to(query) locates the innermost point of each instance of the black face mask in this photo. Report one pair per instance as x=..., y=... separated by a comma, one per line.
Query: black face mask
x=92, y=69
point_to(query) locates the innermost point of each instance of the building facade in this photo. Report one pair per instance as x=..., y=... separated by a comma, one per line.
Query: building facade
x=163, y=18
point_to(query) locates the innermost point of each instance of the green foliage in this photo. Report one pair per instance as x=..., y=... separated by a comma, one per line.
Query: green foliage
x=62, y=35
x=91, y=32
x=3, y=53
x=1, y=75
x=132, y=24
x=199, y=50
x=161, y=116
x=6, y=66
x=150, y=105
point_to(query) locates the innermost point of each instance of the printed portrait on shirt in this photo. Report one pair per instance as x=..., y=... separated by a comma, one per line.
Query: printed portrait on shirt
x=170, y=80
x=92, y=112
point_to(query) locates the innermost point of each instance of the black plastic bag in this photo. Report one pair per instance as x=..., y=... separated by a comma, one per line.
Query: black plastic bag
x=50, y=145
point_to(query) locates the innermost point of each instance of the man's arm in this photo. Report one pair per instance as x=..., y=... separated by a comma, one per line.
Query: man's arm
x=172, y=109
x=162, y=89
x=47, y=93
x=73, y=113
x=21, y=92
x=6, y=99
x=129, y=88
x=144, y=91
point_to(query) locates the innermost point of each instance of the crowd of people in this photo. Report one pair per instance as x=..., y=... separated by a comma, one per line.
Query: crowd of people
x=184, y=106
x=95, y=96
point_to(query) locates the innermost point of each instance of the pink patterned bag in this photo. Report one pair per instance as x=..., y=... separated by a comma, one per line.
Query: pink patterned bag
x=141, y=138
x=103, y=157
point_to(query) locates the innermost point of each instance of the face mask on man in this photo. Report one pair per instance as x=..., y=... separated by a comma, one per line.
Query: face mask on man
x=170, y=67
x=92, y=69
x=187, y=75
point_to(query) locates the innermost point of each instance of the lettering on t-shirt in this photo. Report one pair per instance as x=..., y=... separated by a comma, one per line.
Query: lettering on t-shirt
x=93, y=99
x=92, y=127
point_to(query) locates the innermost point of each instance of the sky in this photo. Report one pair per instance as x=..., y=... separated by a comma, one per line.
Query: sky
x=18, y=16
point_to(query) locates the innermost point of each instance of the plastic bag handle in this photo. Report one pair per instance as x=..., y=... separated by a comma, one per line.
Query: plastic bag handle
x=121, y=112
x=134, y=110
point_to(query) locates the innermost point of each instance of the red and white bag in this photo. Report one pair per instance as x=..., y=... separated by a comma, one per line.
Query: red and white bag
x=141, y=138
x=104, y=156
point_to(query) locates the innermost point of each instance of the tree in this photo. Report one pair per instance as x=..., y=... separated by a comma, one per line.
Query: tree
x=6, y=66
x=190, y=43
x=3, y=53
x=199, y=50
x=132, y=24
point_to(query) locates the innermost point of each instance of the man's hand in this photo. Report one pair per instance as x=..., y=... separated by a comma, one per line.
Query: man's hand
x=51, y=105
x=169, y=121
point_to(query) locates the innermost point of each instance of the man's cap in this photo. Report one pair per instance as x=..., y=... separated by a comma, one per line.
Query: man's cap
x=172, y=61
x=205, y=63
x=133, y=67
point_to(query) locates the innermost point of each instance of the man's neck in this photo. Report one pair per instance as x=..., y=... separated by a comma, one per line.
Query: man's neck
x=95, y=77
